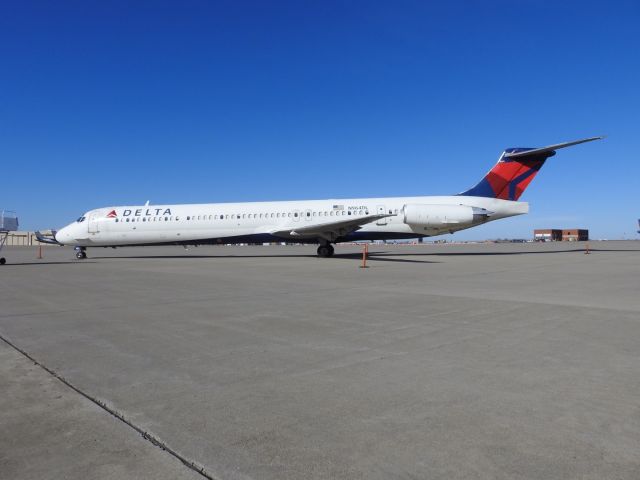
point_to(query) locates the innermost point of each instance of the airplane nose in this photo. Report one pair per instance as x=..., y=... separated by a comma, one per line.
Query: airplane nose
x=62, y=235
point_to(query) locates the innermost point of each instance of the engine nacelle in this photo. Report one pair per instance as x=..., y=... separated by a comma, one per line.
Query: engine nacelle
x=443, y=216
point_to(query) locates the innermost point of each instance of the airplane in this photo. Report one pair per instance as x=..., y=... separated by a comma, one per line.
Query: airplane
x=322, y=222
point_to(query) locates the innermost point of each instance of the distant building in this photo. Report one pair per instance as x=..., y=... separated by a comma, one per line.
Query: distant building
x=24, y=239
x=547, y=235
x=575, y=235
x=557, y=235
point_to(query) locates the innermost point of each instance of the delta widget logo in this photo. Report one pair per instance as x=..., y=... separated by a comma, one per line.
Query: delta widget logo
x=112, y=214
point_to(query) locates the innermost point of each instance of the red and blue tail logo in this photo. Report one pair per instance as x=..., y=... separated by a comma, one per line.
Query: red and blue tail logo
x=510, y=177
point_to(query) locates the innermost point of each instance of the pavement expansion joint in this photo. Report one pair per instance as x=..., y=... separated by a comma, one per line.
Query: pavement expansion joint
x=192, y=465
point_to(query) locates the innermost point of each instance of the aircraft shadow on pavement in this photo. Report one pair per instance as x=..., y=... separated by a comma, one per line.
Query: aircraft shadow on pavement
x=462, y=254
x=373, y=256
x=379, y=257
x=35, y=264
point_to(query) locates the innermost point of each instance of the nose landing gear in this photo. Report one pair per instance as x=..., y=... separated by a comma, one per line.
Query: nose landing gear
x=81, y=253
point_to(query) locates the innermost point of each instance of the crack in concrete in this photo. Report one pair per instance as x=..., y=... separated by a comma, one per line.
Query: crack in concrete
x=192, y=465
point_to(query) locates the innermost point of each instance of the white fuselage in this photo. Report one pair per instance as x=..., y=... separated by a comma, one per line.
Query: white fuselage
x=267, y=221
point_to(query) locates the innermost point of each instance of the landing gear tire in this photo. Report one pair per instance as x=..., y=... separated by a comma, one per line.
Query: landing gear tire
x=81, y=252
x=325, y=251
x=3, y=261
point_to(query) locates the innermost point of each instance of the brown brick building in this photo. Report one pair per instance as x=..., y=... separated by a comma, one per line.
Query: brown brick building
x=556, y=235
x=575, y=234
x=547, y=235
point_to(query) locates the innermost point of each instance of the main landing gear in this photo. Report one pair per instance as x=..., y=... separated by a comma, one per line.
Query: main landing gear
x=325, y=250
x=81, y=253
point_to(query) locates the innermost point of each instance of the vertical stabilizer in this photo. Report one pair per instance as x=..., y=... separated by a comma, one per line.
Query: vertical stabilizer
x=515, y=170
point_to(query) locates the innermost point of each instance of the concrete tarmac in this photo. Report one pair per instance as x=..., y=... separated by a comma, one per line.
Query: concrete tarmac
x=487, y=361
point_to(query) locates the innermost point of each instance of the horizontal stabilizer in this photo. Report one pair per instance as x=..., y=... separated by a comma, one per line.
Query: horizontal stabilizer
x=550, y=148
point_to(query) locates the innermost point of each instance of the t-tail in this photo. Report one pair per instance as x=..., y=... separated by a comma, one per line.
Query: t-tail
x=515, y=170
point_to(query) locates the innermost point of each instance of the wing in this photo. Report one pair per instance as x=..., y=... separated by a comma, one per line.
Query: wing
x=328, y=230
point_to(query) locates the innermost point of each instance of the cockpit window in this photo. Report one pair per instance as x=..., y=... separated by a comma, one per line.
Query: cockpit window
x=81, y=219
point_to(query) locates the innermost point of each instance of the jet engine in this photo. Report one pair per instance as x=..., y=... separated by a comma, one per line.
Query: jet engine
x=444, y=216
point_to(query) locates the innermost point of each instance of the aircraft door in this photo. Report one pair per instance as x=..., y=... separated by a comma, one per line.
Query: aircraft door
x=381, y=211
x=92, y=223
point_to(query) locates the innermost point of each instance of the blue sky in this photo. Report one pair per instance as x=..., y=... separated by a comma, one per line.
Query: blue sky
x=111, y=103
